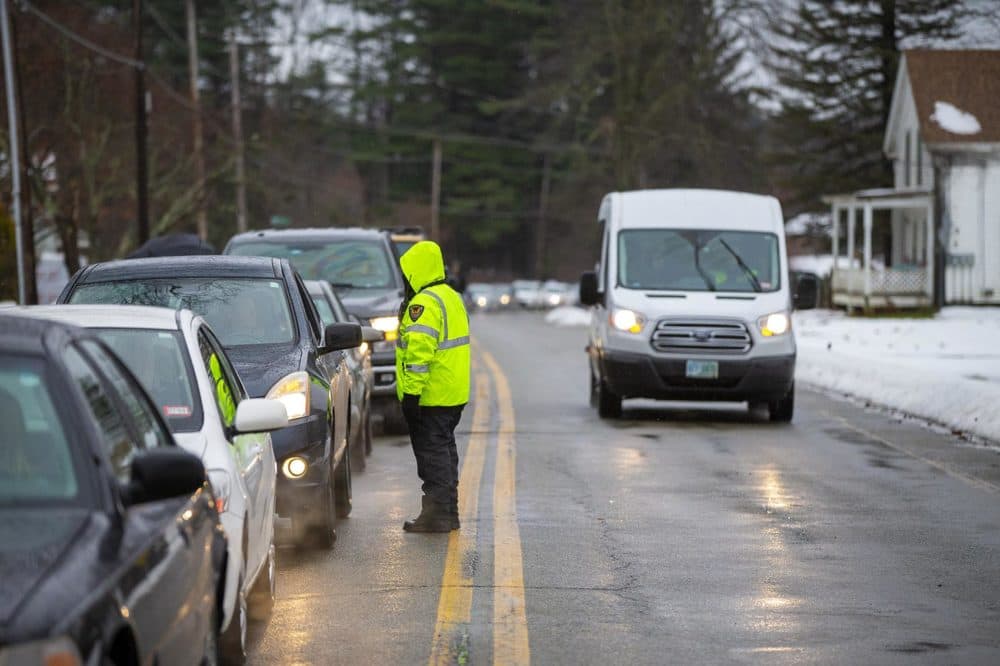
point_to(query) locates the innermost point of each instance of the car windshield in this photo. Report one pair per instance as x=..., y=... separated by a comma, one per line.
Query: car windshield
x=698, y=260
x=36, y=465
x=158, y=361
x=347, y=263
x=240, y=311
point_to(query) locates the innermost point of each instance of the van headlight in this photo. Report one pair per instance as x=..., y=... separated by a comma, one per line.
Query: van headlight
x=293, y=392
x=628, y=321
x=773, y=325
x=388, y=325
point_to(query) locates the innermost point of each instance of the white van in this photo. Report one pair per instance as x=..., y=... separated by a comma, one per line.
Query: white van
x=691, y=301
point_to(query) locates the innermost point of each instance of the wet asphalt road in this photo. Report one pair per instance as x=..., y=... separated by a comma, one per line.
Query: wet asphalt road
x=675, y=535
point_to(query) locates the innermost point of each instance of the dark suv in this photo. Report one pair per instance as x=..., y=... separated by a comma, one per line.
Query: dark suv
x=361, y=267
x=267, y=323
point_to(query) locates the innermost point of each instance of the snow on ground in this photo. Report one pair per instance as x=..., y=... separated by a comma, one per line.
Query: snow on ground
x=945, y=369
x=955, y=120
x=568, y=315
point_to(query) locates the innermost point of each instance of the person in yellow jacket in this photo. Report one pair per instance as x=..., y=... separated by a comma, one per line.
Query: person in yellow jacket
x=432, y=381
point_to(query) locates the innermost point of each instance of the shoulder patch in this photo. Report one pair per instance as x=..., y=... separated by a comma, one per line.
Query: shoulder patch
x=416, y=311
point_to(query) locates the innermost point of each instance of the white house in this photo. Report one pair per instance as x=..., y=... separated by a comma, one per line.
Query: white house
x=943, y=245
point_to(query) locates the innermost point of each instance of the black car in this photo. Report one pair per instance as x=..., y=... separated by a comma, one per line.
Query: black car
x=264, y=318
x=110, y=544
x=361, y=266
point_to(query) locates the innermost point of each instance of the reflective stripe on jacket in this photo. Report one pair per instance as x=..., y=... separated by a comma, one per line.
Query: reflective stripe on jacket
x=433, y=356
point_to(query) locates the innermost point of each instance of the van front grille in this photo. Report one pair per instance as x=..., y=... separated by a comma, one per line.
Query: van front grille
x=701, y=336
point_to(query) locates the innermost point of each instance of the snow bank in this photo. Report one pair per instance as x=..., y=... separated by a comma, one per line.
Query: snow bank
x=952, y=119
x=945, y=369
x=568, y=315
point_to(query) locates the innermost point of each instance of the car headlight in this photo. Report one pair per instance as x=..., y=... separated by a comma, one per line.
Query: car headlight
x=221, y=488
x=388, y=325
x=554, y=299
x=505, y=300
x=627, y=320
x=774, y=324
x=293, y=392
x=481, y=301
x=294, y=467
x=59, y=651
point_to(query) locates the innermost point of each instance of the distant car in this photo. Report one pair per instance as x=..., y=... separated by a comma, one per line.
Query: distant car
x=181, y=365
x=362, y=268
x=359, y=362
x=269, y=328
x=481, y=296
x=554, y=294
x=528, y=293
x=403, y=238
x=111, y=550
x=504, y=294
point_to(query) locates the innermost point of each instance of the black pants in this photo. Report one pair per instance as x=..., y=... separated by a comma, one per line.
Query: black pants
x=433, y=438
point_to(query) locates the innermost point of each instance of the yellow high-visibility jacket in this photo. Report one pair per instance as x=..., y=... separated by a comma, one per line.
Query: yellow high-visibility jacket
x=433, y=358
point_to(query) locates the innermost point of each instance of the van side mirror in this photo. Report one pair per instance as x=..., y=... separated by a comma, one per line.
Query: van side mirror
x=589, y=295
x=163, y=473
x=805, y=290
x=341, y=336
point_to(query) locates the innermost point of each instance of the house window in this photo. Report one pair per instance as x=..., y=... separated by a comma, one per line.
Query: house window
x=920, y=160
x=906, y=161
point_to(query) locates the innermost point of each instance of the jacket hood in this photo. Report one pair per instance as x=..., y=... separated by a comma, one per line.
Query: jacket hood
x=422, y=264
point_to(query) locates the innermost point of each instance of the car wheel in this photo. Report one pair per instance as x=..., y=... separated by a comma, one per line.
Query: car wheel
x=358, y=448
x=783, y=410
x=368, y=431
x=342, y=484
x=234, y=639
x=593, y=389
x=263, y=593
x=323, y=533
x=609, y=404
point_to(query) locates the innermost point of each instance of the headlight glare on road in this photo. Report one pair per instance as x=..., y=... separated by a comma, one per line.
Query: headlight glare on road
x=294, y=467
x=627, y=320
x=388, y=325
x=293, y=392
x=774, y=324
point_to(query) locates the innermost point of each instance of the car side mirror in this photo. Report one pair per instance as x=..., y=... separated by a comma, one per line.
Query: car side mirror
x=341, y=335
x=260, y=415
x=163, y=473
x=589, y=295
x=369, y=334
x=805, y=291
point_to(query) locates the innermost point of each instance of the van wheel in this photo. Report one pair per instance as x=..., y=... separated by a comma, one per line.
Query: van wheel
x=609, y=405
x=782, y=410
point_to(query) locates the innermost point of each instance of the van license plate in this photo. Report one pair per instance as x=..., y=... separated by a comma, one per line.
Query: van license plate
x=702, y=370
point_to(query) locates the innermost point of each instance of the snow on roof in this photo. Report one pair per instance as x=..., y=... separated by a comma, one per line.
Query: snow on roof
x=953, y=119
x=968, y=81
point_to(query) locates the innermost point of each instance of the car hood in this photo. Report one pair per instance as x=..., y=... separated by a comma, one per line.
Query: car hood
x=261, y=366
x=33, y=542
x=368, y=303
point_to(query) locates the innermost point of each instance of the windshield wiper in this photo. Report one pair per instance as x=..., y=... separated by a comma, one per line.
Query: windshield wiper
x=342, y=285
x=754, y=282
x=701, y=271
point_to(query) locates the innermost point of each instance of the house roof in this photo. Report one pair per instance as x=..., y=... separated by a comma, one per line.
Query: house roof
x=968, y=80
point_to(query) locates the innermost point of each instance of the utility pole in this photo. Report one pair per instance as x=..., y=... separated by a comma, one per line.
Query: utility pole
x=541, y=229
x=199, y=140
x=241, y=182
x=14, y=149
x=436, y=193
x=141, y=178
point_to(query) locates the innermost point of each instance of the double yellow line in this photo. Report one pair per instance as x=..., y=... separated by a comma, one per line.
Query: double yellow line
x=510, y=625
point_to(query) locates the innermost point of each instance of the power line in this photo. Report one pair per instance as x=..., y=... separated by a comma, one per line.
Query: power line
x=79, y=39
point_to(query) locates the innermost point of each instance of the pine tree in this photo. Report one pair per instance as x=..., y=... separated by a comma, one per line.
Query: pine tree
x=836, y=64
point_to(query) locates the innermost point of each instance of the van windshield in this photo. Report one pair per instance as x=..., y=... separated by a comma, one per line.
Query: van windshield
x=698, y=260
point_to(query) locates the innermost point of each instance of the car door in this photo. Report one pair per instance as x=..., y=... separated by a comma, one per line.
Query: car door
x=165, y=546
x=250, y=451
x=187, y=578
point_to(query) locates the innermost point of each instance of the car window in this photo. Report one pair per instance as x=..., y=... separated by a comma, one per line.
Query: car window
x=227, y=391
x=311, y=315
x=159, y=361
x=240, y=311
x=324, y=309
x=36, y=463
x=115, y=438
x=149, y=428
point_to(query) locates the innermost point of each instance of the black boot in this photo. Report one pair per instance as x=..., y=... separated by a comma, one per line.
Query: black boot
x=433, y=518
